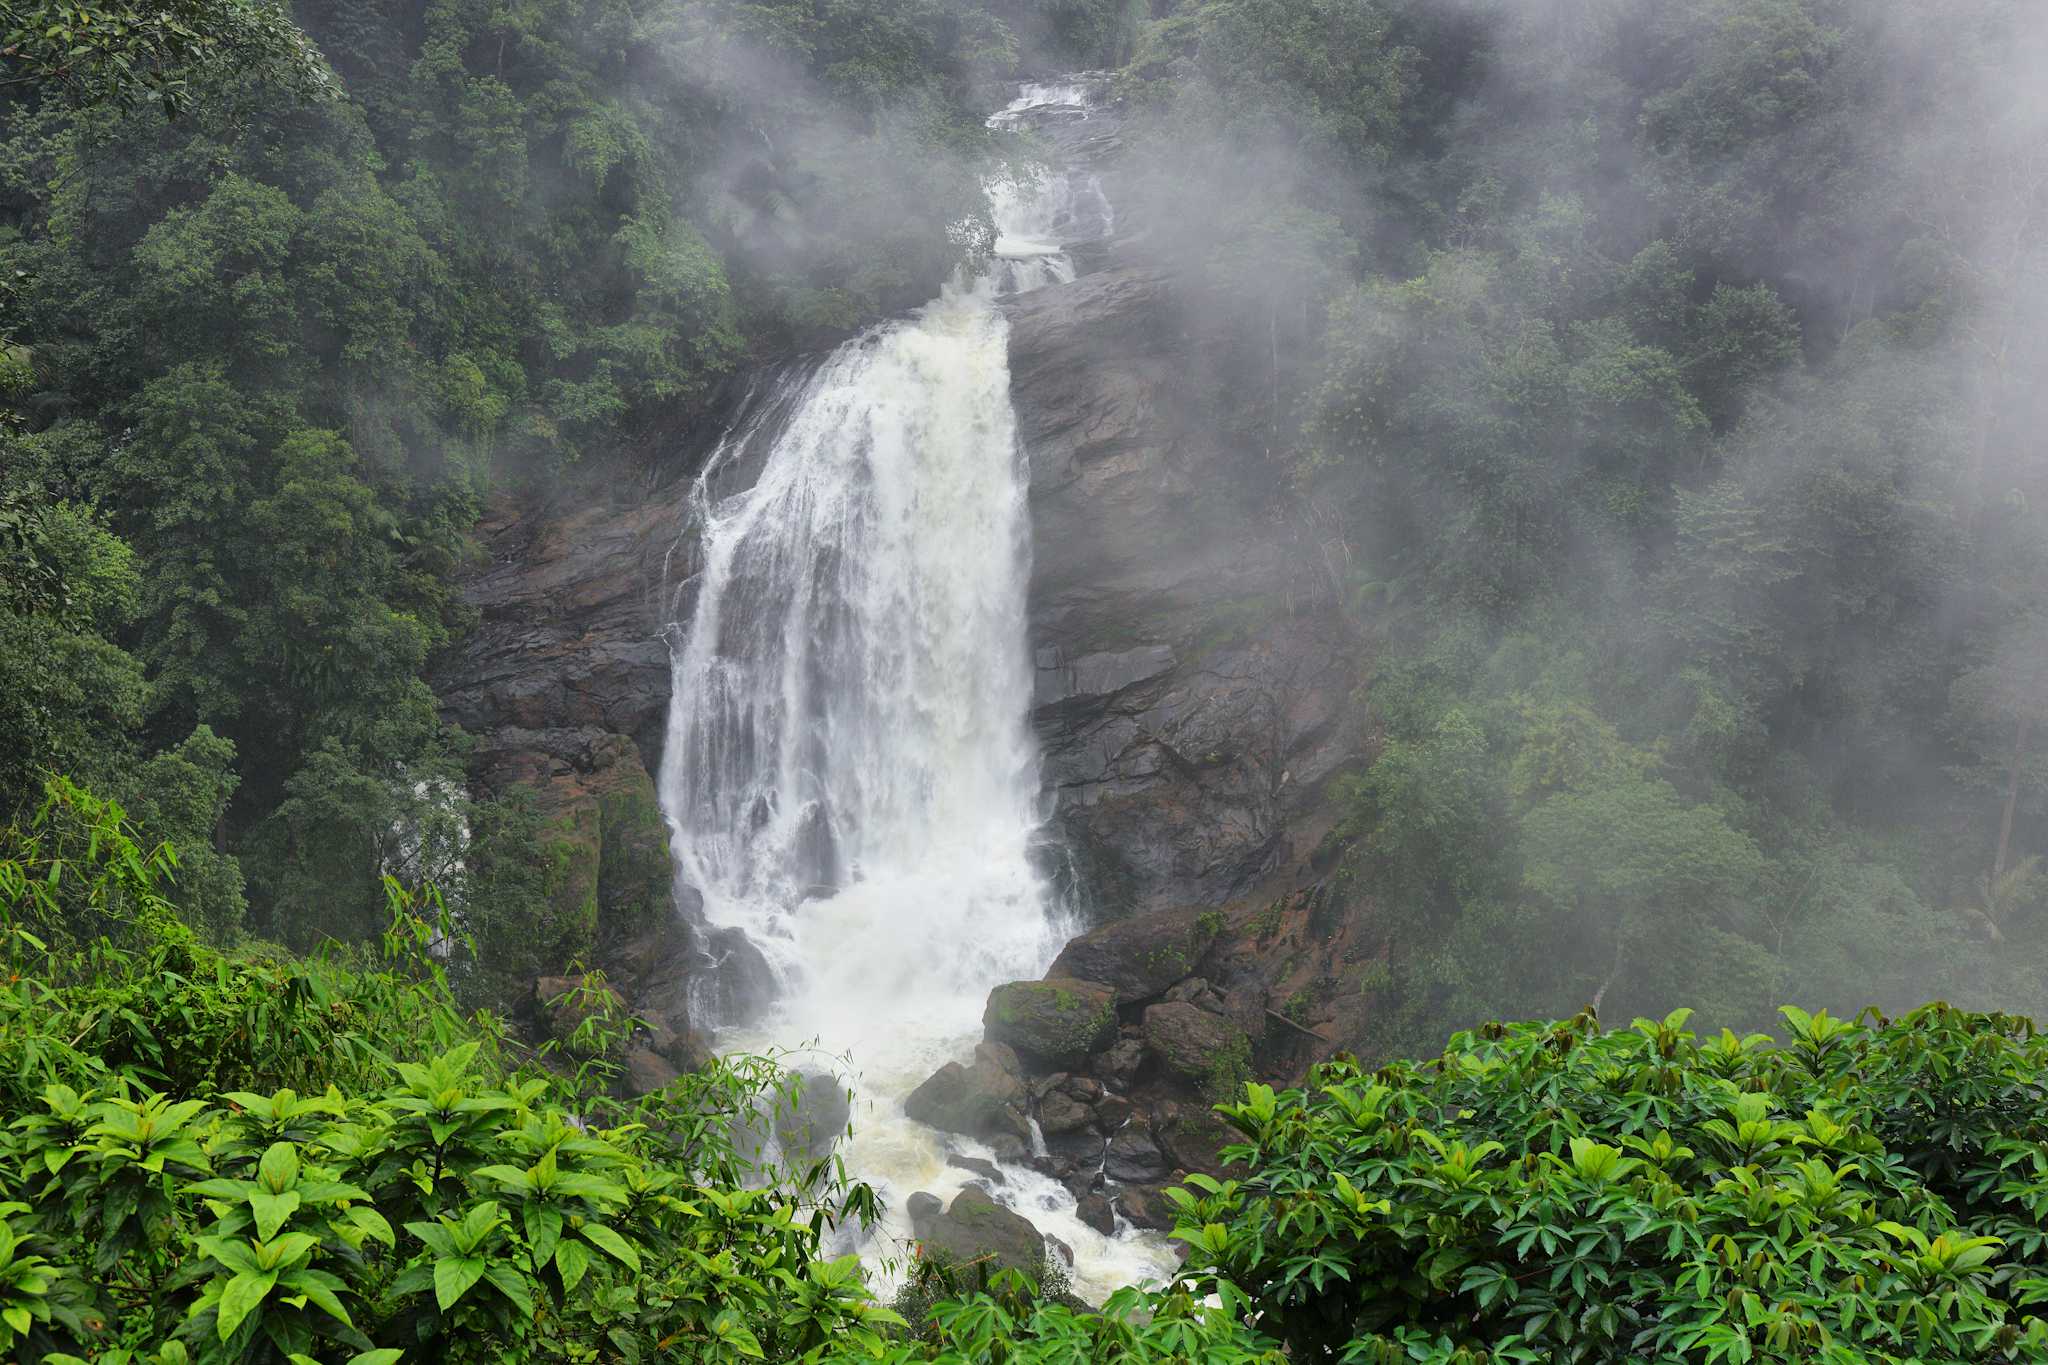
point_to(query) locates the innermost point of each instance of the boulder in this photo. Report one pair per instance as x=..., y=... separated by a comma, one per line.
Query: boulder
x=1134, y=1158
x=1142, y=956
x=985, y=1100
x=1060, y=1112
x=1057, y=1023
x=1094, y=1211
x=647, y=1071
x=743, y=984
x=1198, y=1046
x=1118, y=1064
x=565, y=1002
x=921, y=1208
x=1143, y=1206
x=807, y=1130
x=1193, y=1137
x=987, y=1170
x=977, y=1231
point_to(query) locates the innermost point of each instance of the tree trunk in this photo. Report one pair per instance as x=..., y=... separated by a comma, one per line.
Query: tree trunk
x=2012, y=797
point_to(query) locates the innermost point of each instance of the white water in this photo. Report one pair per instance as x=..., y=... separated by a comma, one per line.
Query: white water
x=849, y=774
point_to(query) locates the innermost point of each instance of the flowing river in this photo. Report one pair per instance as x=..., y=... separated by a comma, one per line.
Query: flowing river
x=849, y=774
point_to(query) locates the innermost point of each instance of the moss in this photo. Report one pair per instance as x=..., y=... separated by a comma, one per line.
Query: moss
x=1225, y=1078
x=1050, y=1019
x=1209, y=923
x=1266, y=923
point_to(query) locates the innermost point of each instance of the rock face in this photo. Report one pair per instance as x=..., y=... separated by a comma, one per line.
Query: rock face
x=1194, y=685
x=571, y=607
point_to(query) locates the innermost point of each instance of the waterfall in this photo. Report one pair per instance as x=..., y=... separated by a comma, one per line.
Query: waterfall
x=849, y=774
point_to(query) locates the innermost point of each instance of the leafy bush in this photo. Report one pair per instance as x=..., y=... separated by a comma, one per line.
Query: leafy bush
x=1869, y=1191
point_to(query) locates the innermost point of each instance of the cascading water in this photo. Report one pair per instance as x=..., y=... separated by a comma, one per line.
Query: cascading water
x=849, y=774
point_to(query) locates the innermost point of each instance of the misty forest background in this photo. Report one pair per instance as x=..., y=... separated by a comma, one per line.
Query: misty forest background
x=1660, y=381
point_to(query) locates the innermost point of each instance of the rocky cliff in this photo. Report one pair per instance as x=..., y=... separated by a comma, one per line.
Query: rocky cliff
x=1194, y=684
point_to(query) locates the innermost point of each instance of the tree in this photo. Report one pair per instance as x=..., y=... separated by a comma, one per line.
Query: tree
x=1653, y=889
x=157, y=51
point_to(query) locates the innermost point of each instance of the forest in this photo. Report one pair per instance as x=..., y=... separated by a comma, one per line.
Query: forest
x=1659, y=384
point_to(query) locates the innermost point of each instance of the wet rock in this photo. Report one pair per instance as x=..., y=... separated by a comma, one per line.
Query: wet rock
x=1112, y=1112
x=685, y=1051
x=1057, y=1023
x=987, y=1170
x=1118, y=1064
x=1193, y=1137
x=1075, y=1149
x=1145, y=1207
x=1141, y=956
x=1094, y=1211
x=976, y=1230
x=1134, y=1158
x=1045, y=1085
x=1061, y=1250
x=1085, y=1089
x=1196, y=1045
x=1060, y=1112
x=921, y=1208
x=647, y=1071
x=565, y=1002
x=743, y=984
x=808, y=1130
x=1197, y=992
x=1009, y=1149
x=985, y=1100
x=570, y=606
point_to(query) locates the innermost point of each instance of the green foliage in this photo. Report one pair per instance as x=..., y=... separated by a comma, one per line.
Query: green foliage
x=1865, y=1191
x=155, y=53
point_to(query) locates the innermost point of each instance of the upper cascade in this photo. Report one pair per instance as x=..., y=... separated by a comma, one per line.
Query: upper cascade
x=1041, y=210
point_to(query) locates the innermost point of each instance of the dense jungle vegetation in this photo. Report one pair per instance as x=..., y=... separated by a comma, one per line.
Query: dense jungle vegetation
x=242, y=1158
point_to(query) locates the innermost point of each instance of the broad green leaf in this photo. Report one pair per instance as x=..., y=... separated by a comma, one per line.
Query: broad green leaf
x=453, y=1277
x=608, y=1241
x=239, y=1298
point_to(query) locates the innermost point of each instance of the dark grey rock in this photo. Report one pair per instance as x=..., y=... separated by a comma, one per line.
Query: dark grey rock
x=1118, y=1065
x=976, y=1229
x=987, y=1170
x=985, y=1100
x=1095, y=1211
x=1060, y=1112
x=921, y=1208
x=647, y=1071
x=818, y=1120
x=1134, y=1158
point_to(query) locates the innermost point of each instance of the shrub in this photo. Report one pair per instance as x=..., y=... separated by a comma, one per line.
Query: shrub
x=1867, y=1191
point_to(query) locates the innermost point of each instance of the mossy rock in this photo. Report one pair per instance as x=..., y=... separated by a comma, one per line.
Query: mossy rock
x=1058, y=1022
x=1142, y=956
x=1201, y=1047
